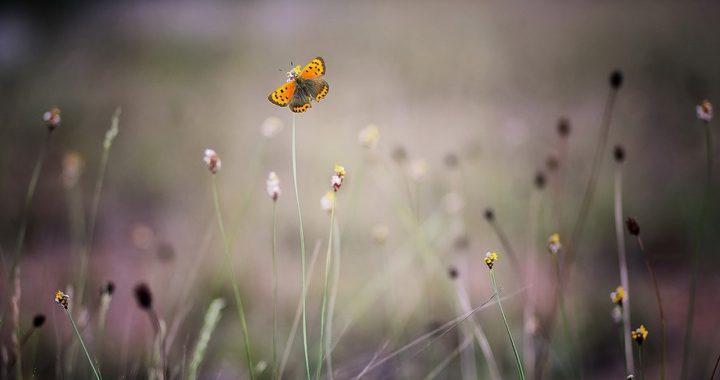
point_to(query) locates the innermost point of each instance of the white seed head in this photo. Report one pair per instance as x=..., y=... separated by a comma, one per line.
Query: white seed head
x=273, y=186
x=72, y=168
x=212, y=160
x=380, y=233
x=271, y=127
x=418, y=170
x=327, y=201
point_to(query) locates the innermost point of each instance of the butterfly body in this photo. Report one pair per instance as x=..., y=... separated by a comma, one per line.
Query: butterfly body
x=302, y=87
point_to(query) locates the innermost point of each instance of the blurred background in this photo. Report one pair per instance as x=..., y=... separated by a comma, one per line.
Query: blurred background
x=466, y=98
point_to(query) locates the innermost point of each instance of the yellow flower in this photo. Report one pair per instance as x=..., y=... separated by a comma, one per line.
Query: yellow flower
x=554, y=244
x=639, y=335
x=369, y=136
x=618, y=295
x=491, y=258
x=62, y=299
x=327, y=201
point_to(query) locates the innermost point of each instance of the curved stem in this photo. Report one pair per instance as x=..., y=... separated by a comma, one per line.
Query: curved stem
x=302, y=250
x=231, y=273
x=507, y=327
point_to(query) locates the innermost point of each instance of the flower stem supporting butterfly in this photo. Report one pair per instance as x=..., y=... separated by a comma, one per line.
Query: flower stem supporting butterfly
x=302, y=249
x=231, y=273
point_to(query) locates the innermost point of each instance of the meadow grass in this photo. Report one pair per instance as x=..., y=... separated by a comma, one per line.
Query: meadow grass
x=424, y=239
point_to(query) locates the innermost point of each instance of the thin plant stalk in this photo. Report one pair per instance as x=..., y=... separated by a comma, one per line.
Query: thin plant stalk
x=695, y=262
x=274, y=291
x=231, y=273
x=82, y=344
x=579, y=225
x=505, y=243
x=445, y=362
x=107, y=144
x=640, y=361
x=212, y=317
x=302, y=249
x=563, y=313
x=717, y=362
x=507, y=326
x=333, y=299
x=624, y=278
x=530, y=269
x=328, y=259
x=479, y=334
x=298, y=313
x=650, y=269
x=29, y=196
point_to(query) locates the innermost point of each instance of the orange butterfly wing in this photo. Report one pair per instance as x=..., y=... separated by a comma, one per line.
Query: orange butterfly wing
x=283, y=94
x=314, y=69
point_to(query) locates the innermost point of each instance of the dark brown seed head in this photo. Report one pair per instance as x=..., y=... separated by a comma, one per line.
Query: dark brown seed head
x=143, y=296
x=632, y=226
x=563, y=127
x=540, y=180
x=616, y=79
x=38, y=320
x=619, y=154
x=399, y=154
x=489, y=214
x=451, y=160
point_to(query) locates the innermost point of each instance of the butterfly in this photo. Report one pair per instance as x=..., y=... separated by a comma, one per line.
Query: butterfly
x=302, y=87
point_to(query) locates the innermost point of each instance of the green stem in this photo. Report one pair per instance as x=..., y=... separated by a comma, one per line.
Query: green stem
x=640, y=361
x=87, y=354
x=507, y=326
x=302, y=250
x=695, y=260
x=660, y=308
x=332, y=301
x=274, y=290
x=328, y=256
x=110, y=136
x=623, y=268
x=564, y=316
x=23, y=222
x=231, y=273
